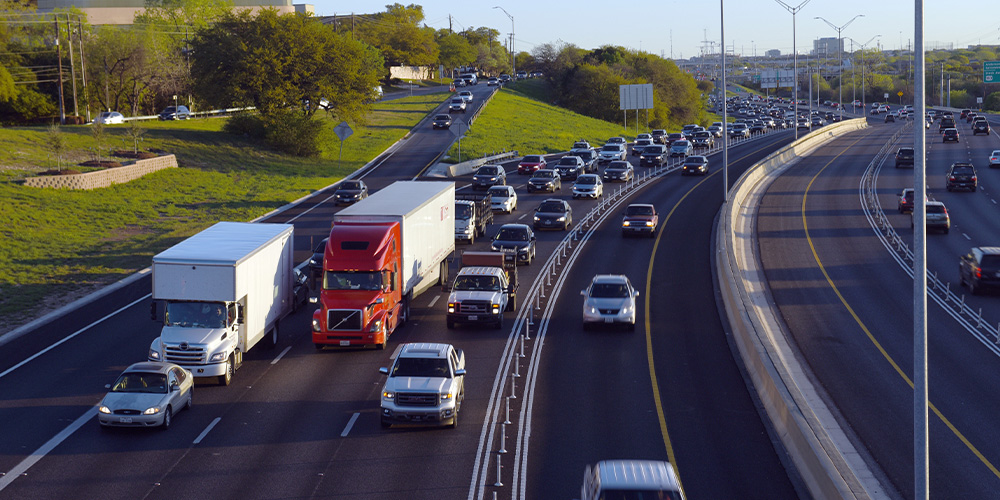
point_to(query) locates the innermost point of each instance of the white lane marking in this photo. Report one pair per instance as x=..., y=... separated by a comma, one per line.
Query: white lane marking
x=522, y=216
x=966, y=236
x=30, y=460
x=434, y=301
x=395, y=353
x=350, y=423
x=206, y=431
x=74, y=334
x=275, y=361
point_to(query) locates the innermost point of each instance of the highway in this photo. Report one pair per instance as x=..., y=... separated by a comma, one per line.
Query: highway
x=301, y=423
x=848, y=302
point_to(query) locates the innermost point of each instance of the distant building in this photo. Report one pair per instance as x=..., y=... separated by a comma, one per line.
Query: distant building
x=827, y=47
x=123, y=11
x=773, y=53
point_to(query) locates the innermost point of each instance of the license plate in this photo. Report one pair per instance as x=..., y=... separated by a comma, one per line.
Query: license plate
x=125, y=420
x=473, y=318
x=609, y=320
x=415, y=418
x=345, y=342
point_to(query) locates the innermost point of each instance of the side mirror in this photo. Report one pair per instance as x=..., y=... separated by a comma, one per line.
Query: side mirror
x=583, y=292
x=459, y=373
x=107, y=386
x=635, y=293
x=383, y=370
x=239, y=314
x=174, y=387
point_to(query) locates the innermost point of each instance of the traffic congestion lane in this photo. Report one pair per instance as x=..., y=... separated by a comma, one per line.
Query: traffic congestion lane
x=873, y=395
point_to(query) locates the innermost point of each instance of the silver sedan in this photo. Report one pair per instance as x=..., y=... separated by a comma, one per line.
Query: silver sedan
x=610, y=299
x=146, y=394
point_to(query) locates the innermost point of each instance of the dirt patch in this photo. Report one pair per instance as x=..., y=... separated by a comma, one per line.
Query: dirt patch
x=65, y=171
x=141, y=155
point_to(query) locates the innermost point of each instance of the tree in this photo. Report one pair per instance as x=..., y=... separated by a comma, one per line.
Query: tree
x=99, y=133
x=273, y=62
x=56, y=142
x=454, y=50
x=134, y=132
x=398, y=35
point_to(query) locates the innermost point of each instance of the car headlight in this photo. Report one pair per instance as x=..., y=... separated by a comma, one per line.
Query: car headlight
x=537, y=218
x=452, y=306
x=105, y=410
x=315, y=324
x=375, y=326
x=388, y=395
x=592, y=310
x=151, y=411
x=625, y=223
x=496, y=308
x=447, y=396
x=649, y=223
x=154, y=355
x=562, y=219
x=217, y=357
x=495, y=246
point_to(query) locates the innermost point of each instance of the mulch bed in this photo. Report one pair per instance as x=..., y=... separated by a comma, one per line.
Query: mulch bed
x=100, y=164
x=68, y=171
x=141, y=155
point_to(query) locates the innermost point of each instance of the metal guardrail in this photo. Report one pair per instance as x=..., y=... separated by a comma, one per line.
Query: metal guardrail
x=214, y=112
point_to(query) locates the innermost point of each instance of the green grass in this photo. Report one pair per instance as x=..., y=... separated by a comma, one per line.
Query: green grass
x=514, y=121
x=63, y=241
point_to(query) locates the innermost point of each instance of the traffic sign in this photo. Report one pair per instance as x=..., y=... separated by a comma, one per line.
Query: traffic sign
x=991, y=71
x=885, y=95
x=343, y=131
x=900, y=93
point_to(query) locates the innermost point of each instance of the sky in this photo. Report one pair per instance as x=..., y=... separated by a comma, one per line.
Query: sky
x=678, y=29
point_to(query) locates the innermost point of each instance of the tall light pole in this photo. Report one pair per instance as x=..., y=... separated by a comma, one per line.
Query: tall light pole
x=840, y=56
x=864, y=103
x=921, y=453
x=513, y=57
x=725, y=117
x=795, y=60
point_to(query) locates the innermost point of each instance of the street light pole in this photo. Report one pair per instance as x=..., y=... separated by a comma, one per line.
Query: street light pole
x=513, y=57
x=840, y=45
x=864, y=101
x=725, y=114
x=795, y=61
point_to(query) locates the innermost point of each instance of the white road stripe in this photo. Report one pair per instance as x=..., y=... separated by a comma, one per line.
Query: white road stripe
x=350, y=423
x=434, y=301
x=26, y=464
x=74, y=334
x=206, y=431
x=966, y=236
x=275, y=361
x=522, y=216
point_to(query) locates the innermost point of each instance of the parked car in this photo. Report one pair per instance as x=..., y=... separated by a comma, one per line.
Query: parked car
x=588, y=186
x=487, y=176
x=937, y=216
x=904, y=156
x=457, y=104
x=961, y=175
x=544, y=180
x=518, y=238
x=569, y=167
x=175, y=113
x=640, y=218
x=695, y=165
x=503, y=198
x=441, y=121
x=553, y=213
x=350, y=192
x=609, y=299
x=681, y=148
x=618, y=171
x=110, y=118
x=980, y=268
x=146, y=394
x=653, y=156
x=531, y=164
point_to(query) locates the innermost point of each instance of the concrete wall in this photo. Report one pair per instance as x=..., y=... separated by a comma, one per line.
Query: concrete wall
x=412, y=72
x=103, y=178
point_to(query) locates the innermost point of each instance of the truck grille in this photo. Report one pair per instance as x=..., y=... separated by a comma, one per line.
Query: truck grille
x=343, y=320
x=474, y=306
x=183, y=354
x=416, y=399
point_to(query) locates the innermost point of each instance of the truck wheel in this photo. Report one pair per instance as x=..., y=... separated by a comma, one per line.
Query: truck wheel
x=499, y=324
x=272, y=338
x=319, y=347
x=226, y=378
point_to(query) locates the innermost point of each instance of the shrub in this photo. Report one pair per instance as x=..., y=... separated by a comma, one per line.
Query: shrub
x=285, y=131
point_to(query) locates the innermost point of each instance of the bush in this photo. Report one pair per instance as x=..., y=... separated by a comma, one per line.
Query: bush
x=245, y=124
x=285, y=131
x=992, y=102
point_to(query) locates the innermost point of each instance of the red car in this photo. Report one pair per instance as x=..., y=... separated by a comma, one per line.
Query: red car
x=640, y=219
x=531, y=163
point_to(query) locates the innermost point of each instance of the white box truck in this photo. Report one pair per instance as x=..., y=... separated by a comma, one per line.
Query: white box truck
x=382, y=252
x=221, y=292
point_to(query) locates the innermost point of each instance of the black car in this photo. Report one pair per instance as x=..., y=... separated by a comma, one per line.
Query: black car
x=904, y=156
x=961, y=176
x=695, y=165
x=553, y=214
x=488, y=176
x=589, y=159
x=946, y=122
x=569, y=167
x=545, y=179
x=980, y=268
x=654, y=156
x=618, y=171
x=442, y=121
x=980, y=127
x=349, y=192
x=659, y=136
x=175, y=113
x=757, y=127
x=517, y=239
x=316, y=261
x=950, y=134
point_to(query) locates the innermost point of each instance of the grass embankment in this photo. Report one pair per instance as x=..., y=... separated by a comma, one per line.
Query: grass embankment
x=514, y=121
x=62, y=242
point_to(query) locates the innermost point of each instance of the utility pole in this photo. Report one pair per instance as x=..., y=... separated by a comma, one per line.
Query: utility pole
x=449, y=25
x=941, y=93
x=83, y=69
x=62, y=103
x=72, y=65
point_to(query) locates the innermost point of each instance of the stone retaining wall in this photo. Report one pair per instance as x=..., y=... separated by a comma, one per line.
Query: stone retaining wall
x=103, y=178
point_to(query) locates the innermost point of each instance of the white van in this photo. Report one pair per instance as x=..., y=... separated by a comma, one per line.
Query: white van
x=631, y=479
x=470, y=78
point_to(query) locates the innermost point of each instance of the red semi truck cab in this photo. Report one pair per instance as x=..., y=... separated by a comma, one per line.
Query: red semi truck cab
x=383, y=251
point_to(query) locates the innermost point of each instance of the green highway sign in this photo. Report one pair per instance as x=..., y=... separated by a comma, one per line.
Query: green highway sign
x=991, y=72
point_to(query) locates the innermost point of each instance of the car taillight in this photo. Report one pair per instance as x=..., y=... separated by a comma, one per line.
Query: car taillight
x=979, y=273
x=973, y=178
x=951, y=178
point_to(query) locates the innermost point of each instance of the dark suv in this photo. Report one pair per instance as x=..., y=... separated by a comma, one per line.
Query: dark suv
x=950, y=134
x=175, y=113
x=980, y=268
x=488, y=176
x=961, y=176
x=904, y=156
x=980, y=126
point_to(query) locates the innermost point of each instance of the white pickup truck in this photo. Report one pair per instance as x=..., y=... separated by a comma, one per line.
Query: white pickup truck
x=484, y=289
x=425, y=385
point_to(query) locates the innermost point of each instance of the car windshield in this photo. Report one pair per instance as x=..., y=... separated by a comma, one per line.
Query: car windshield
x=961, y=170
x=695, y=160
x=681, y=144
x=352, y=280
x=499, y=192
x=196, y=314
x=609, y=290
x=584, y=155
x=991, y=261
x=652, y=150
x=487, y=171
x=421, y=367
x=512, y=234
x=906, y=151
x=587, y=179
x=151, y=383
x=442, y=117
x=532, y=159
x=675, y=136
x=639, y=210
x=542, y=174
x=617, y=165
x=935, y=209
x=478, y=283
x=610, y=147
x=463, y=211
x=551, y=206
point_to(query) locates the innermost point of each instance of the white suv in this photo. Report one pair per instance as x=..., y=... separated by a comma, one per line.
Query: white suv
x=609, y=299
x=426, y=385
